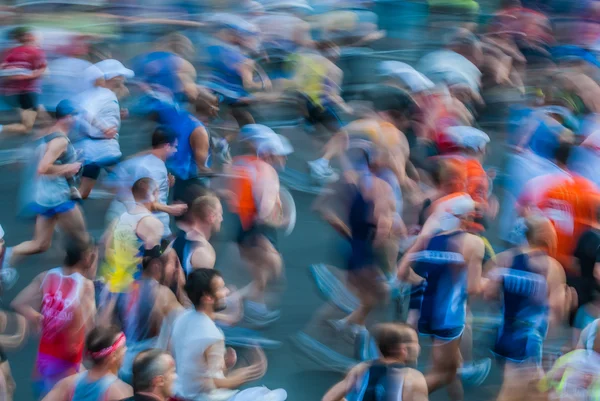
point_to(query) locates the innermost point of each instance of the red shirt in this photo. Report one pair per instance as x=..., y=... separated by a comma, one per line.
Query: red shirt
x=27, y=57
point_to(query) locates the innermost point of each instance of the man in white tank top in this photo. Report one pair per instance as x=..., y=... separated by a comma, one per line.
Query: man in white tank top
x=135, y=234
x=60, y=302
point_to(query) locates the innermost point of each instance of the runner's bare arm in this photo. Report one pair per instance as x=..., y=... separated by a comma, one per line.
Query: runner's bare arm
x=559, y=294
x=88, y=304
x=119, y=391
x=168, y=302
x=55, y=148
x=187, y=77
x=150, y=230
x=200, y=146
x=341, y=389
x=29, y=300
x=62, y=390
x=474, y=249
x=415, y=387
x=203, y=257
x=11, y=341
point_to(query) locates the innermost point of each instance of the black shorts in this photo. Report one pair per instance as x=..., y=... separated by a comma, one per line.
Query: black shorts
x=249, y=237
x=24, y=101
x=93, y=170
x=328, y=116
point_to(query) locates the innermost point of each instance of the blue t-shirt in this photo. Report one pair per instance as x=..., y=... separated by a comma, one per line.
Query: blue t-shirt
x=159, y=68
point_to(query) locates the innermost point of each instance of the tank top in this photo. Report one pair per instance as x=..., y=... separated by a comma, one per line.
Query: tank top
x=377, y=385
x=525, y=293
x=124, y=255
x=134, y=310
x=246, y=171
x=92, y=391
x=159, y=68
x=183, y=162
x=63, y=330
x=185, y=248
x=442, y=265
x=52, y=191
x=224, y=60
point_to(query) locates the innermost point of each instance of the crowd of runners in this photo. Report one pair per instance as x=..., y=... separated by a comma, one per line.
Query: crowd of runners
x=141, y=313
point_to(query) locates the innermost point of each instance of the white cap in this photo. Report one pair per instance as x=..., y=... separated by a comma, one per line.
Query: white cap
x=468, y=137
x=92, y=74
x=265, y=140
x=412, y=78
x=113, y=68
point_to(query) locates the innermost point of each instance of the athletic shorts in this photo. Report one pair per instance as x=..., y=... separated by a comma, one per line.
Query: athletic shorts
x=520, y=345
x=92, y=170
x=446, y=334
x=24, y=101
x=249, y=237
x=328, y=116
x=49, y=212
x=50, y=370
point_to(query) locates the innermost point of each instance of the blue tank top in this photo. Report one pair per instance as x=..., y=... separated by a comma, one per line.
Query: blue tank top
x=442, y=265
x=159, y=68
x=182, y=164
x=134, y=310
x=92, y=391
x=376, y=384
x=224, y=60
x=525, y=293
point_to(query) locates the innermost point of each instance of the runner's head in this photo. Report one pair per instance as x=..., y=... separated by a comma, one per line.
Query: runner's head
x=541, y=234
x=178, y=44
x=206, y=290
x=468, y=140
x=397, y=341
x=115, y=75
x=65, y=111
x=154, y=372
x=164, y=143
x=23, y=35
x=145, y=191
x=266, y=144
x=393, y=105
x=207, y=211
x=153, y=267
x=105, y=346
x=81, y=255
x=454, y=211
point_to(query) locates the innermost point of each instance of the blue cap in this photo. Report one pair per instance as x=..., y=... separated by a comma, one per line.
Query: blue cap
x=65, y=108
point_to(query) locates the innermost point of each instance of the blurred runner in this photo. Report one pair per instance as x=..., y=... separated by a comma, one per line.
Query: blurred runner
x=100, y=106
x=192, y=243
x=48, y=193
x=255, y=200
x=153, y=376
x=105, y=347
x=140, y=312
x=137, y=233
x=534, y=295
x=60, y=303
x=449, y=261
x=391, y=376
x=22, y=68
x=198, y=347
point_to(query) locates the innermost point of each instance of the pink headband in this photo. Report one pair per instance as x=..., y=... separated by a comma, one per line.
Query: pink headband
x=103, y=353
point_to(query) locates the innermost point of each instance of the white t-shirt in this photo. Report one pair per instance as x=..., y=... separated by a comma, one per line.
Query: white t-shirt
x=450, y=67
x=193, y=333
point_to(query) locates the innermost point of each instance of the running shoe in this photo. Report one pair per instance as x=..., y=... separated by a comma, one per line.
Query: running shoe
x=475, y=373
x=257, y=315
x=8, y=274
x=365, y=348
x=348, y=332
x=322, y=355
x=322, y=173
x=332, y=289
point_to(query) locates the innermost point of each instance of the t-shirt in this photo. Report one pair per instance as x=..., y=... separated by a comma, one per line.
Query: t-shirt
x=587, y=253
x=23, y=57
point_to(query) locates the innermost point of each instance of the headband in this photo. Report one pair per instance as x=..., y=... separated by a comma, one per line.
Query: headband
x=103, y=353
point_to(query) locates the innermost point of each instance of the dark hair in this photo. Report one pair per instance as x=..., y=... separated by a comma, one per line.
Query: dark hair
x=163, y=136
x=562, y=152
x=76, y=249
x=142, y=188
x=19, y=33
x=199, y=284
x=147, y=365
x=99, y=338
x=389, y=336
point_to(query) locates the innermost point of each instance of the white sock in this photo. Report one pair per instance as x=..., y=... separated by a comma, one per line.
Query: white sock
x=321, y=162
x=7, y=255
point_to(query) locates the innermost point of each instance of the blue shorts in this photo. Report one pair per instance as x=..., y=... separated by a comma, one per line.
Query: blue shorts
x=520, y=345
x=446, y=334
x=53, y=211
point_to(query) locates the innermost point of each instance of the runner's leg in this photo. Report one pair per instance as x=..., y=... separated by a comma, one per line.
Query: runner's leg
x=445, y=358
x=73, y=224
x=42, y=239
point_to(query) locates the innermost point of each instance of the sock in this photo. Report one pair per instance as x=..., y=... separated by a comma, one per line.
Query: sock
x=321, y=162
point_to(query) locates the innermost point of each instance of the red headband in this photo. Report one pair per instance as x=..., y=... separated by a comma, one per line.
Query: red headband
x=103, y=353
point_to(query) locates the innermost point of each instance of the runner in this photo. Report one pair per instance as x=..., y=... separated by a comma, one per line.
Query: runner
x=449, y=261
x=534, y=295
x=105, y=347
x=198, y=347
x=391, y=376
x=22, y=86
x=135, y=234
x=153, y=376
x=47, y=193
x=140, y=312
x=192, y=243
x=61, y=303
x=150, y=164
x=100, y=106
x=256, y=202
